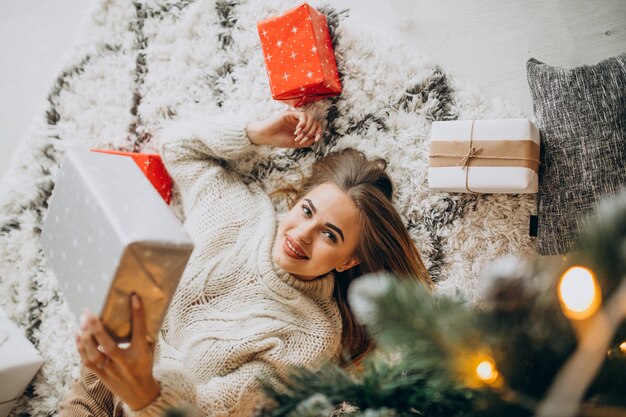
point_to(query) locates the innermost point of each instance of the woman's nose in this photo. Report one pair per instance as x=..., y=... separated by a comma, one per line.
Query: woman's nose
x=304, y=233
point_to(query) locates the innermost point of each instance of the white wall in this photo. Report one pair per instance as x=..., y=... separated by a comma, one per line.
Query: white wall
x=487, y=42
x=34, y=35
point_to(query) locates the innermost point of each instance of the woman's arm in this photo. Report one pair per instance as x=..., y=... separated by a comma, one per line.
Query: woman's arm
x=194, y=153
x=201, y=143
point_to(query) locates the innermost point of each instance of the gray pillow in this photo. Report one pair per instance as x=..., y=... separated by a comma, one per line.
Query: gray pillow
x=581, y=114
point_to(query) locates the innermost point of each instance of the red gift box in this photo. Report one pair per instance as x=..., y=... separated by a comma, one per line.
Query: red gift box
x=299, y=56
x=152, y=166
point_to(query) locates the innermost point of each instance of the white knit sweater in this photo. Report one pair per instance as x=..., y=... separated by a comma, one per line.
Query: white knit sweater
x=236, y=316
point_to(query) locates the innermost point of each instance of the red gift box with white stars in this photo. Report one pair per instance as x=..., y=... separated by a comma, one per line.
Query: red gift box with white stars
x=299, y=56
x=152, y=167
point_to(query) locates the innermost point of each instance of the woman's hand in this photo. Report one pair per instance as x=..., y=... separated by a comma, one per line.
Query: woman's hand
x=126, y=372
x=289, y=129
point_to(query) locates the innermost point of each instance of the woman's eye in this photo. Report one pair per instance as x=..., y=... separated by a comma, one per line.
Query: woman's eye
x=306, y=211
x=331, y=236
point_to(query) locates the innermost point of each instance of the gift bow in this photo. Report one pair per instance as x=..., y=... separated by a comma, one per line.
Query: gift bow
x=471, y=153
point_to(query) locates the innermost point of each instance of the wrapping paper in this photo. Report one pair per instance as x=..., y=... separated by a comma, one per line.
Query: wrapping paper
x=153, y=168
x=19, y=362
x=108, y=233
x=299, y=56
x=484, y=156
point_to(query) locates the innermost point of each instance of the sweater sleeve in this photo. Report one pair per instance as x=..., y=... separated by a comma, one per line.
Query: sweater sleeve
x=177, y=392
x=236, y=394
x=196, y=154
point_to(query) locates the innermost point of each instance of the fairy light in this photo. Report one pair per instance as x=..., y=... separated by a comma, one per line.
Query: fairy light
x=579, y=293
x=622, y=347
x=486, y=371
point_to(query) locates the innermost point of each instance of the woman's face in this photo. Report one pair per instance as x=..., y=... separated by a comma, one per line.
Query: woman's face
x=319, y=234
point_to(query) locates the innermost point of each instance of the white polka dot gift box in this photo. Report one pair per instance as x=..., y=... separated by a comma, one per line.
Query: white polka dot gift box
x=484, y=156
x=108, y=233
x=299, y=56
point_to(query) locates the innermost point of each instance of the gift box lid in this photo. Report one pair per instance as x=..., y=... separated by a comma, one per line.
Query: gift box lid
x=152, y=166
x=19, y=360
x=115, y=189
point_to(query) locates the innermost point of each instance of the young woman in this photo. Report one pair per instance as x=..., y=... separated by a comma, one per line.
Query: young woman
x=255, y=299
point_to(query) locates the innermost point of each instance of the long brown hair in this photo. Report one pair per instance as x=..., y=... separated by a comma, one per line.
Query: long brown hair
x=384, y=243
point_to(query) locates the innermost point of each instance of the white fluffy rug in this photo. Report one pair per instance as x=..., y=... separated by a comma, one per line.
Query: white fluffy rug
x=139, y=63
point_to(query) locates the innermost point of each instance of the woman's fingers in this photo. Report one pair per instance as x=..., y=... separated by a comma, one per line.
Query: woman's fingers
x=306, y=130
x=302, y=117
x=314, y=135
x=318, y=133
x=106, y=342
x=138, y=321
x=309, y=141
x=88, y=349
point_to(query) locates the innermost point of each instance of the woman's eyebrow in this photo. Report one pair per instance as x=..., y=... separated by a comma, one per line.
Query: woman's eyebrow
x=311, y=204
x=332, y=226
x=338, y=230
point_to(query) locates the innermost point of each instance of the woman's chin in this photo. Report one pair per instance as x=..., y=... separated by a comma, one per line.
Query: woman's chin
x=290, y=265
x=286, y=264
x=282, y=260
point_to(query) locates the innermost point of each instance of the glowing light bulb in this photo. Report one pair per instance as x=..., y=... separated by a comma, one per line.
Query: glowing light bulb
x=622, y=347
x=579, y=293
x=486, y=371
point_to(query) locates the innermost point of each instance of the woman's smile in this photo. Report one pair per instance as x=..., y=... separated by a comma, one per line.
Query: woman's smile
x=292, y=249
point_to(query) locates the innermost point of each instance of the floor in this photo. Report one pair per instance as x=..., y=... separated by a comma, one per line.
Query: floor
x=483, y=42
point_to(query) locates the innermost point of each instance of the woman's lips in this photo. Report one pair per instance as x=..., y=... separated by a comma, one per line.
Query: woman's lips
x=291, y=252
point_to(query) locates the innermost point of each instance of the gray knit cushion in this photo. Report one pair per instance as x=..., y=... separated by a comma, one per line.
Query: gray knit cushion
x=581, y=114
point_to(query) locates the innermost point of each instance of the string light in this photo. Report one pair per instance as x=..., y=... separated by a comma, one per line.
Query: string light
x=486, y=371
x=579, y=293
x=622, y=347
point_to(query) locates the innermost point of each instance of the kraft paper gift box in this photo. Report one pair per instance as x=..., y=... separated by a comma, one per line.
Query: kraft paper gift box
x=107, y=234
x=152, y=167
x=484, y=156
x=299, y=56
x=19, y=362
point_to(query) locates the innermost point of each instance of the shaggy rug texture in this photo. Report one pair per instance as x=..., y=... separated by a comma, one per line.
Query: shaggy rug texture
x=137, y=64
